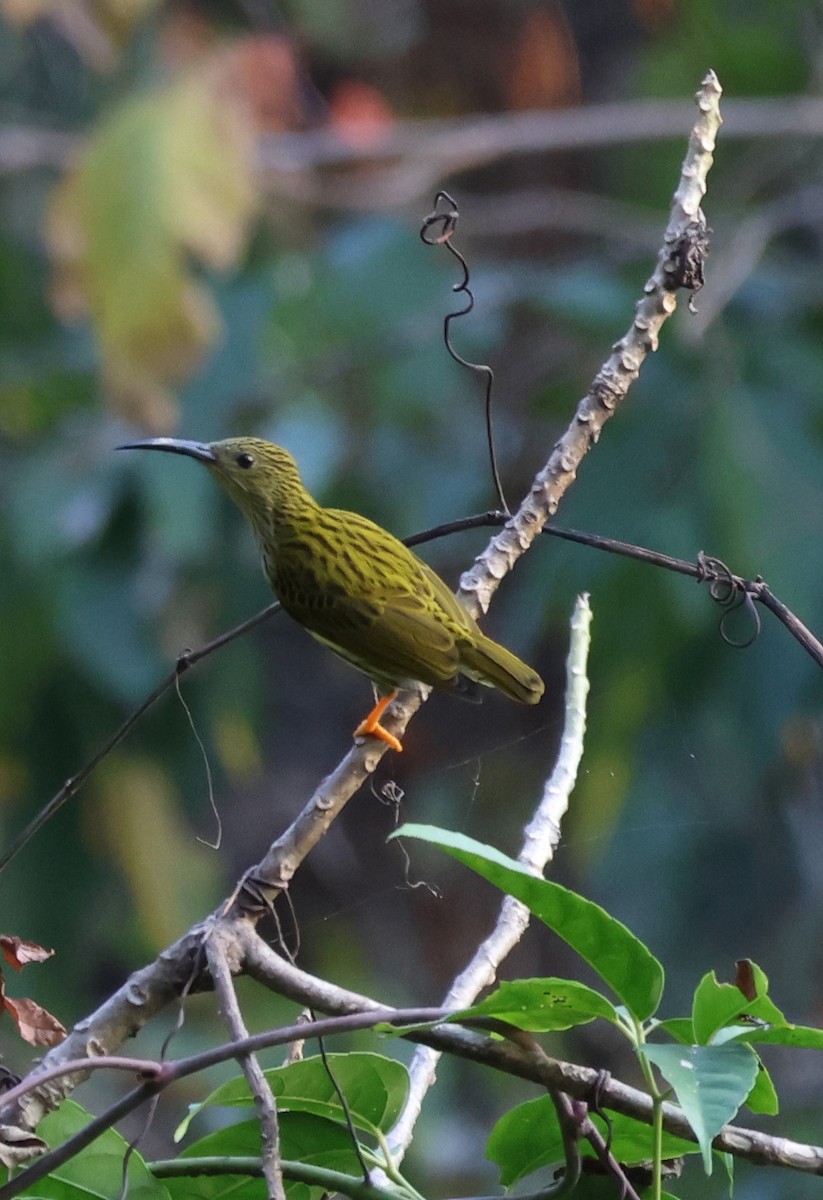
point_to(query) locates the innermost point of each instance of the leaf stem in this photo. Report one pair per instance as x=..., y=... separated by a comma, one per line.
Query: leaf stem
x=657, y=1113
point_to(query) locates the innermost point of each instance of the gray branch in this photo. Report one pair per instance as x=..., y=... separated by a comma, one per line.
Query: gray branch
x=541, y=836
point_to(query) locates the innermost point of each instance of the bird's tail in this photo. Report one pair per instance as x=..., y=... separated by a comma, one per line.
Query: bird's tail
x=494, y=665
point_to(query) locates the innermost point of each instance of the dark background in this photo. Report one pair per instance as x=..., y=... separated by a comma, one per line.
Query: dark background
x=697, y=816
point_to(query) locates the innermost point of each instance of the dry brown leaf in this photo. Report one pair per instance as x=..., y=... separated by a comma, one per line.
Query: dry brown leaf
x=744, y=978
x=17, y=952
x=35, y=1024
x=546, y=72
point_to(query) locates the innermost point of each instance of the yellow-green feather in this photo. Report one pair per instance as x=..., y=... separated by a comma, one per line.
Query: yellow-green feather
x=357, y=588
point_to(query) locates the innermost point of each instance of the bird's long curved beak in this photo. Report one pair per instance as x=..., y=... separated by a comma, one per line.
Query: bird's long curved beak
x=199, y=450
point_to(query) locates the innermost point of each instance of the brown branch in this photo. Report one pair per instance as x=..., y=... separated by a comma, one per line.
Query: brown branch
x=582, y=1083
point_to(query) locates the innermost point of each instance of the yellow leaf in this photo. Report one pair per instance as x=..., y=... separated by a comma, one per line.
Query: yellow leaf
x=166, y=178
x=138, y=822
x=237, y=747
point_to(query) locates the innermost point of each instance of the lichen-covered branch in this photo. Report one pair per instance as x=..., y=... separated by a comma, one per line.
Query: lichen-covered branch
x=617, y=374
x=479, y=584
x=219, y=947
x=541, y=836
x=162, y=982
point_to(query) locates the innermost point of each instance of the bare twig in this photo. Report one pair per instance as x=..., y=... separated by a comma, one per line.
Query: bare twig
x=617, y=374
x=479, y=584
x=161, y=982
x=356, y=1011
x=186, y=659
x=217, y=945
x=724, y=586
x=456, y=143
x=541, y=837
x=447, y=145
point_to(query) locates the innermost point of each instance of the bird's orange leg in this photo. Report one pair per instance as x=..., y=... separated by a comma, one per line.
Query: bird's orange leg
x=371, y=723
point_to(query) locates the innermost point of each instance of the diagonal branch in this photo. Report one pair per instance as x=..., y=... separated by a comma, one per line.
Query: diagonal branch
x=618, y=373
x=477, y=586
x=540, y=839
x=161, y=982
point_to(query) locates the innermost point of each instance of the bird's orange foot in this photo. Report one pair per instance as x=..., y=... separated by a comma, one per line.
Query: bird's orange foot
x=371, y=724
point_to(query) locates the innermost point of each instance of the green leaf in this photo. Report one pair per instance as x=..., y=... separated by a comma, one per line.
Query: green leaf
x=96, y=1171
x=528, y=1138
x=715, y=1005
x=304, y=1138
x=540, y=1005
x=167, y=177
x=375, y=1088
x=763, y=1096
x=711, y=1082
x=785, y=1035
x=679, y=1028
x=728, y=1165
x=620, y=958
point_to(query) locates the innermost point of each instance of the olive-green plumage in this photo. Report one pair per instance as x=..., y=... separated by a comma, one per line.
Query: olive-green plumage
x=353, y=585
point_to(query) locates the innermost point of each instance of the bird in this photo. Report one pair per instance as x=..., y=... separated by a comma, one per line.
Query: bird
x=354, y=586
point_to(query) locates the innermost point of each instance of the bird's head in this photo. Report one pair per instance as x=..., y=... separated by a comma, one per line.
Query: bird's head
x=259, y=476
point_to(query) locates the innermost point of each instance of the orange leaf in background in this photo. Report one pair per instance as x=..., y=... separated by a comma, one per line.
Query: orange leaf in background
x=546, y=71
x=34, y=1024
x=18, y=952
x=358, y=112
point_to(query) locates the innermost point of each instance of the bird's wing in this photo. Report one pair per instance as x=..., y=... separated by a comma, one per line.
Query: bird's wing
x=397, y=639
x=397, y=618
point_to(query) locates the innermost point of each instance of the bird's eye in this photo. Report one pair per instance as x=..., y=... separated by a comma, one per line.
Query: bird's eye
x=245, y=460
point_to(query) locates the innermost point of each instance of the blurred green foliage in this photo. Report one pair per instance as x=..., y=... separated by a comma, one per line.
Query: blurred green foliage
x=697, y=816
